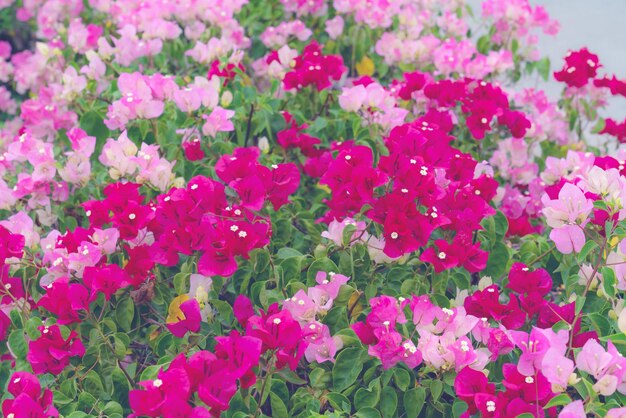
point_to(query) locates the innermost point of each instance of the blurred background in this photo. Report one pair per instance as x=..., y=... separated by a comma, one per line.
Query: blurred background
x=599, y=25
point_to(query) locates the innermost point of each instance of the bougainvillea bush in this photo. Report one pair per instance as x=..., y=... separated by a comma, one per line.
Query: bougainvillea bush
x=342, y=208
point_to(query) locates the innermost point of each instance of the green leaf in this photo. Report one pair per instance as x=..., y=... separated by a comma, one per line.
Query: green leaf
x=600, y=323
x=347, y=234
x=497, y=262
x=587, y=248
x=436, y=389
x=286, y=252
x=347, y=368
x=367, y=413
x=559, y=400
x=93, y=384
x=617, y=339
x=322, y=264
x=388, y=402
x=17, y=343
x=279, y=410
x=319, y=378
x=181, y=283
x=150, y=372
x=291, y=376
x=77, y=414
x=599, y=126
x=124, y=313
x=338, y=401
x=62, y=399
x=121, y=343
x=16, y=318
x=458, y=407
x=483, y=44
x=609, y=281
x=112, y=407
x=261, y=260
x=402, y=379
x=32, y=327
x=413, y=401
x=368, y=397
x=501, y=225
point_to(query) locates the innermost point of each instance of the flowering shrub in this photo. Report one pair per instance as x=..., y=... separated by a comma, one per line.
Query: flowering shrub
x=306, y=208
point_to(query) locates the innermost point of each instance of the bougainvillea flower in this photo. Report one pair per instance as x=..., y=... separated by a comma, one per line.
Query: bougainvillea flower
x=107, y=279
x=469, y=383
x=11, y=245
x=314, y=68
x=580, y=66
x=524, y=281
x=65, y=300
x=51, y=353
x=183, y=316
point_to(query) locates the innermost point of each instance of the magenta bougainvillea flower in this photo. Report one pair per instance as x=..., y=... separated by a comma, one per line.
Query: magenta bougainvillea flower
x=51, y=352
x=580, y=66
x=28, y=399
x=312, y=67
x=315, y=208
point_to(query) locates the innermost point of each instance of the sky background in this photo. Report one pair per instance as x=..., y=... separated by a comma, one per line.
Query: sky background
x=599, y=25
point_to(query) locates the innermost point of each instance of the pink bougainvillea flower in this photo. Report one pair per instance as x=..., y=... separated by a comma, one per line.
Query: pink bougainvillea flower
x=106, y=279
x=193, y=150
x=279, y=331
x=242, y=353
x=532, y=389
x=580, y=66
x=575, y=409
x=11, y=245
x=524, y=281
x=469, y=383
x=535, y=345
x=568, y=238
x=163, y=396
x=28, y=399
x=443, y=258
x=243, y=310
x=314, y=68
x=51, y=353
x=321, y=346
x=218, y=121
x=65, y=300
x=567, y=215
x=183, y=316
x=557, y=368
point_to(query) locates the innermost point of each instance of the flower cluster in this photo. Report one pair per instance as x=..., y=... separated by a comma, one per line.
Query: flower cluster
x=214, y=376
x=312, y=67
x=325, y=208
x=309, y=307
x=28, y=400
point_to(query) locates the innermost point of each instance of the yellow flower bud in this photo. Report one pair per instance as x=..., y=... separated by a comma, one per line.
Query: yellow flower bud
x=227, y=98
x=365, y=66
x=174, y=313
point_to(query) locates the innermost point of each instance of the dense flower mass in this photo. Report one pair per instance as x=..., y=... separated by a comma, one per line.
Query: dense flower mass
x=342, y=208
